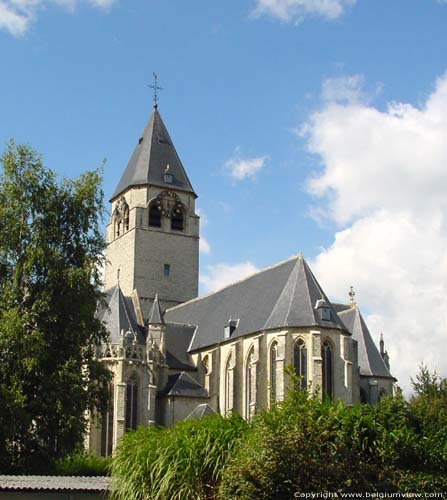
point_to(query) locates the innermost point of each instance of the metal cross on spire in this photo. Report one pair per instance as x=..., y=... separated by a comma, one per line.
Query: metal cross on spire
x=352, y=296
x=156, y=88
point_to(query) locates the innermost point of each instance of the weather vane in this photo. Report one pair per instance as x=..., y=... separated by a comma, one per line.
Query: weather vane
x=352, y=296
x=156, y=88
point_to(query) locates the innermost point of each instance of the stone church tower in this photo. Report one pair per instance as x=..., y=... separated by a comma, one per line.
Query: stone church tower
x=153, y=234
x=152, y=260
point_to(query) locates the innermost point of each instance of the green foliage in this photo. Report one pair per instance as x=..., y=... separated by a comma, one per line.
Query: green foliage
x=182, y=462
x=302, y=445
x=82, y=463
x=51, y=250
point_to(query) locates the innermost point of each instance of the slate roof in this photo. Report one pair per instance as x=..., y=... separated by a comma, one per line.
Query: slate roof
x=58, y=483
x=150, y=158
x=200, y=411
x=279, y=296
x=155, y=316
x=119, y=315
x=370, y=361
x=182, y=384
x=178, y=338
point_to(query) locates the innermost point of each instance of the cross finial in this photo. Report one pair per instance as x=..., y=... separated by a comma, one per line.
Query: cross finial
x=156, y=88
x=352, y=296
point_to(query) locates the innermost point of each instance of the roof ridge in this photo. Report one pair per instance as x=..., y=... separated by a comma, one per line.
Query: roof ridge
x=232, y=284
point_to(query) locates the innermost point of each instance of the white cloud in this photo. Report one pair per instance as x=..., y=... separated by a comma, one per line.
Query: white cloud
x=17, y=15
x=220, y=275
x=384, y=176
x=203, y=217
x=296, y=10
x=204, y=246
x=241, y=168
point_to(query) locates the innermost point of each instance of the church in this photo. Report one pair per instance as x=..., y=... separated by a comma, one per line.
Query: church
x=174, y=355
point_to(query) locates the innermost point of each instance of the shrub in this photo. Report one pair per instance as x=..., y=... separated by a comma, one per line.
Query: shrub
x=81, y=463
x=182, y=462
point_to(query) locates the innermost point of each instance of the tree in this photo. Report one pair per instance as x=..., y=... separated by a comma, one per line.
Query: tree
x=51, y=250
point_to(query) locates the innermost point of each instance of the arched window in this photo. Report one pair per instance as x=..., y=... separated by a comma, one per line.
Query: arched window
x=206, y=373
x=250, y=382
x=177, y=223
x=228, y=386
x=300, y=362
x=131, y=403
x=327, y=367
x=273, y=371
x=107, y=428
x=154, y=216
x=126, y=218
x=117, y=224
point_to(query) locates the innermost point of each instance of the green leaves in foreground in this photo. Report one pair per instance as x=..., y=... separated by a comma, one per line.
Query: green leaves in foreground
x=179, y=463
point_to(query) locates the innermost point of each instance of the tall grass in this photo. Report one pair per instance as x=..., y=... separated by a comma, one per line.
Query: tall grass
x=183, y=462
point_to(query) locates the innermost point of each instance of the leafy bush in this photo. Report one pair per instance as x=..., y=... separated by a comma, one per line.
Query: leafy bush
x=82, y=463
x=182, y=462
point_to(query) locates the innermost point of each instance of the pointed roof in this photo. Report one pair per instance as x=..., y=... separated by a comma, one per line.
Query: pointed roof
x=370, y=361
x=283, y=295
x=200, y=411
x=182, y=384
x=152, y=155
x=155, y=316
x=119, y=316
x=301, y=301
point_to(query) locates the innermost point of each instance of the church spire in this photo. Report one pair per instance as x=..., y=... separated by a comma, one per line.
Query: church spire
x=153, y=155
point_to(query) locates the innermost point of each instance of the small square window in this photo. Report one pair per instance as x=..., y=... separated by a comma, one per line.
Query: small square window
x=169, y=179
x=167, y=270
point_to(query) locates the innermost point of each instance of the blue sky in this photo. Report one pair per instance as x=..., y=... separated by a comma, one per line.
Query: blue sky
x=313, y=125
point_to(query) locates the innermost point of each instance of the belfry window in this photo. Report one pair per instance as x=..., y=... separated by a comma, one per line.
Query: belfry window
x=300, y=362
x=131, y=403
x=126, y=218
x=177, y=222
x=273, y=372
x=107, y=428
x=327, y=367
x=154, y=216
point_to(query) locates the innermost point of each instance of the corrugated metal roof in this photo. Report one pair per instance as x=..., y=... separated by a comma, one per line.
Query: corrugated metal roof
x=71, y=483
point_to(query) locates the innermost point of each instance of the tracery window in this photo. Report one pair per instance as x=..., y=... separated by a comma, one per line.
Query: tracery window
x=300, y=362
x=107, y=428
x=154, y=215
x=327, y=367
x=273, y=371
x=228, y=385
x=131, y=403
x=250, y=381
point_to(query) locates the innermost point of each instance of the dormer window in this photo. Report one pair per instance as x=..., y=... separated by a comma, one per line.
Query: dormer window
x=230, y=328
x=169, y=178
x=326, y=314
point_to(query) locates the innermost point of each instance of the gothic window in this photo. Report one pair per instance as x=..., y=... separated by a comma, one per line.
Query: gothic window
x=206, y=373
x=131, y=403
x=300, y=362
x=126, y=218
x=177, y=222
x=107, y=428
x=273, y=371
x=327, y=367
x=228, y=386
x=250, y=381
x=154, y=216
x=117, y=225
